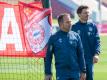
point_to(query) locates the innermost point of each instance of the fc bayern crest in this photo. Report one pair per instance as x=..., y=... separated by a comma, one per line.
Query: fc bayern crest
x=38, y=35
x=90, y=29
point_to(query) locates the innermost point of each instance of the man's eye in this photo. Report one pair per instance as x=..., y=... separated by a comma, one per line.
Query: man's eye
x=68, y=21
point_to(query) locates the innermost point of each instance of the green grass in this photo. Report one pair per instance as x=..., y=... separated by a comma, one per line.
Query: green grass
x=33, y=68
x=21, y=68
x=101, y=68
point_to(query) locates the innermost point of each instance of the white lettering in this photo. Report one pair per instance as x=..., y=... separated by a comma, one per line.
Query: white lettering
x=14, y=38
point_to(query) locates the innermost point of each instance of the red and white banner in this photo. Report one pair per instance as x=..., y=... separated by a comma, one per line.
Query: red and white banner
x=24, y=30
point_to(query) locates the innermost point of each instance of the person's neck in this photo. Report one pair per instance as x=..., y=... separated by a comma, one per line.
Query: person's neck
x=83, y=21
x=64, y=30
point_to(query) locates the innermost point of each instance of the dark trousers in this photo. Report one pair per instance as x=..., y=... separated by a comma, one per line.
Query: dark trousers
x=64, y=78
x=89, y=71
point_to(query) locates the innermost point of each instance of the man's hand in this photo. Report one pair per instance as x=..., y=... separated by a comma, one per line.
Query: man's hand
x=48, y=77
x=83, y=76
x=96, y=58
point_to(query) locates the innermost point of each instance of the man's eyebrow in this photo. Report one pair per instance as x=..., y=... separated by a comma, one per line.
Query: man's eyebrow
x=69, y=21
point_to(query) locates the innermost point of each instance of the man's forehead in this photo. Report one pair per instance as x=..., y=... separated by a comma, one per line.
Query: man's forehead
x=89, y=11
x=67, y=17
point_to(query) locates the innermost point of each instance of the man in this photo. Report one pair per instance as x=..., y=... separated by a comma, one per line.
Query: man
x=68, y=52
x=90, y=39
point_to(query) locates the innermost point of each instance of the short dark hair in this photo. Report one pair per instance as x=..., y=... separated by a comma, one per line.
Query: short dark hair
x=60, y=17
x=80, y=8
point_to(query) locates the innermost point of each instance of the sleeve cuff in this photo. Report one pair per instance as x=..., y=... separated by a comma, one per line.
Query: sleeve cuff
x=48, y=73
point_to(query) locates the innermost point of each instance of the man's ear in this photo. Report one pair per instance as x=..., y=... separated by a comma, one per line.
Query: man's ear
x=60, y=24
x=79, y=15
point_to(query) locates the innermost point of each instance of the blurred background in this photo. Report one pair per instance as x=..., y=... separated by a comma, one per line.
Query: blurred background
x=33, y=68
x=98, y=10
